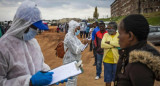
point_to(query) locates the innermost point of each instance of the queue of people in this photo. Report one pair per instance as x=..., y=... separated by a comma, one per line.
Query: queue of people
x=128, y=59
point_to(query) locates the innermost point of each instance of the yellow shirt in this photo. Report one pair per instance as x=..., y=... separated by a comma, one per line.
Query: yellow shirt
x=110, y=50
x=109, y=56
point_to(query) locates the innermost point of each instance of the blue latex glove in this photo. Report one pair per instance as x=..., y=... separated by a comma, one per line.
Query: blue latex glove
x=62, y=81
x=41, y=78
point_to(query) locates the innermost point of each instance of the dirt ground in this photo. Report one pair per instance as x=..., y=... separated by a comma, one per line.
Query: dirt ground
x=48, y=41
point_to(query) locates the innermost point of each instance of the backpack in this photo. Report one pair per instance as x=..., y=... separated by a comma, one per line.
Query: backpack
x=60, y=49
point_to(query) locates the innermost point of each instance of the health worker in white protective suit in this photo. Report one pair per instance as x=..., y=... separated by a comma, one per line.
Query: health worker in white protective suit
x=73, y=48
x=21, y=59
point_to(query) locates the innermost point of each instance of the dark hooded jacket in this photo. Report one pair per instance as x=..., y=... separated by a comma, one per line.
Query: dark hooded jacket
x=138, y=65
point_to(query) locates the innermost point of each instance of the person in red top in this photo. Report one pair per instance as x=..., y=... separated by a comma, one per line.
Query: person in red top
x=99, y=50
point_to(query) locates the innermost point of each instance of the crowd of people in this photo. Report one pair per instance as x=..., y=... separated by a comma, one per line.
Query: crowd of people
x=62, y=27
x=128, y=59
x=105, y=45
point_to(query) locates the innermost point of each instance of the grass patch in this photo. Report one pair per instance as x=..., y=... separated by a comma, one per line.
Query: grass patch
x=153, y=18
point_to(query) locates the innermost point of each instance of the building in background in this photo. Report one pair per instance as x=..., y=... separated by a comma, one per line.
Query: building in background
x=69, y=19
x=126, y=7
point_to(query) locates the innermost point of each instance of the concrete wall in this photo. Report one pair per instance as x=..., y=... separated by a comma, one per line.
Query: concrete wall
x=126, y=7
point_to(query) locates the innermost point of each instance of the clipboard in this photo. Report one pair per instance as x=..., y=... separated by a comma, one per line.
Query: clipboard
x=65, y=71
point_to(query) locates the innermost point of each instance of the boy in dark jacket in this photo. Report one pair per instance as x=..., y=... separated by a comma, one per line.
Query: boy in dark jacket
x=99, y=50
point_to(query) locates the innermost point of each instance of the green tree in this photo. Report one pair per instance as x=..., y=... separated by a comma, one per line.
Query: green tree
x=96, y=14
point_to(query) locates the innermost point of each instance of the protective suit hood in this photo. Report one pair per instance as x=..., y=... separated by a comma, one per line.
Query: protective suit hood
x=26, y=14
x=72, y=26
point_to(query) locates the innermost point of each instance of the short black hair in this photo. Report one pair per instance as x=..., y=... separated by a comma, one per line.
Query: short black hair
x=113, y=25
x=96, y=22
x=102, y=23
x=138, y=25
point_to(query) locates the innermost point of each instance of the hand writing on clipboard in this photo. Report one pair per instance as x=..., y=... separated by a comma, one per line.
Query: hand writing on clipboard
x=84, y=47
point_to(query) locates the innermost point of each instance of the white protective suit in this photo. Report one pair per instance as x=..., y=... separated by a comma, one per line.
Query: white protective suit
x=19, y=59
x=74, y=46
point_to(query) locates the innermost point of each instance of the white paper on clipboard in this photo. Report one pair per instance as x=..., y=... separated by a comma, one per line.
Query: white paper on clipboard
x=84, y=47
x=65, y=71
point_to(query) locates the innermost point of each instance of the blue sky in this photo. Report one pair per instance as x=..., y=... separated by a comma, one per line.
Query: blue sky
x=58, y=9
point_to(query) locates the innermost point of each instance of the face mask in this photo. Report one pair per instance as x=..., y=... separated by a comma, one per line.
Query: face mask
x=111, y=31
x=77, y=33
x=30, y=34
